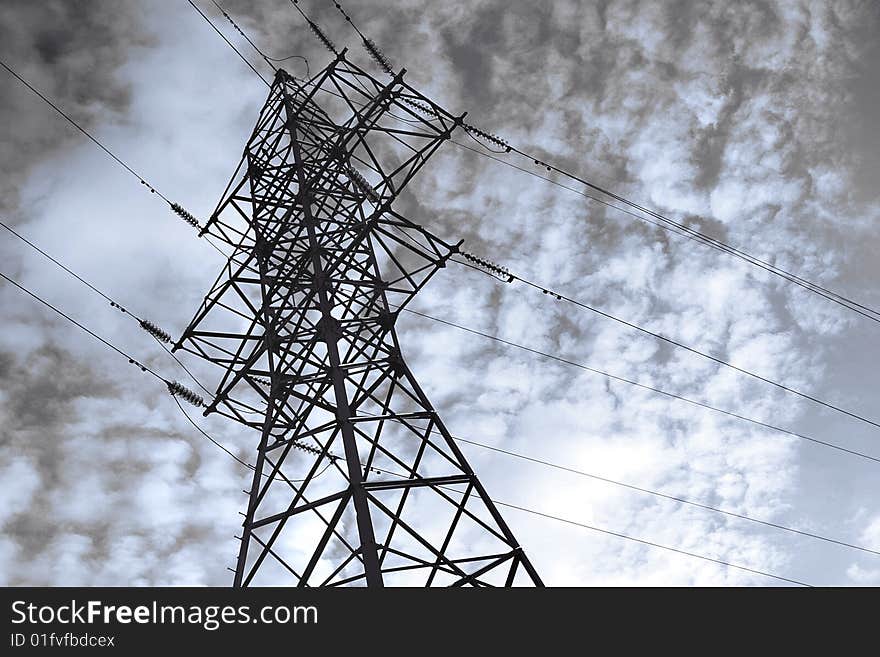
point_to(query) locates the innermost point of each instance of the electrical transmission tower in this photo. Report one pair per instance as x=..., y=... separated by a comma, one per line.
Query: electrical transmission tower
x=357, y=481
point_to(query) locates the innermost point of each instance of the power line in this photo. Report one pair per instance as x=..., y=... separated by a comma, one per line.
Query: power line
x=229, y=43
x=175, y=207
x=659, y=391
x=720, y=361
x=246, y=37
x=205, y=434
x=625, y=537
x=717, y=244
x=59, y=264
x=574, y=190
x=662, y=221
x=107, y=343
x=266, y=58
x=174, y=388
x=269, y=60
x=635, y=539
x=70, y=319
x=673, y=498
x=679, y=228
x=113, y=303
x=648, y=491
x=76, y=125
x=130, y=358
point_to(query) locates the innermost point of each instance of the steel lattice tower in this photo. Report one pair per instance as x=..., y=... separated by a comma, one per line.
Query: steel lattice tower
x=357, y=480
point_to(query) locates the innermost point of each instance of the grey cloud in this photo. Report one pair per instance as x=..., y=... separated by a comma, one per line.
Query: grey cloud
x=39, y=391
x=71, y=51
x=675, y=103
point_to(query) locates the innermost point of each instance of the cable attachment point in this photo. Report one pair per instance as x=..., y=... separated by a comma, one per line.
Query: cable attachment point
x=312, y=450
x=328, y=44
x=155, y=331
x=361, y=183
x=491, y=267
x=495, y=139
x=186, y=216
x=178, y=390
x=383, y=62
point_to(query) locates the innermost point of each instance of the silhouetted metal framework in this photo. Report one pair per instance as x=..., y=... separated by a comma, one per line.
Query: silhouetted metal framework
x=357, y=480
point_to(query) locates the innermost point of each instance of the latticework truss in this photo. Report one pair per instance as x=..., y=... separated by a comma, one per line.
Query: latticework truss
x=357, y=480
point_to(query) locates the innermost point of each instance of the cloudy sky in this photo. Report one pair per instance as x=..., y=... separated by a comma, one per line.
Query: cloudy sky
x=758, y=121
